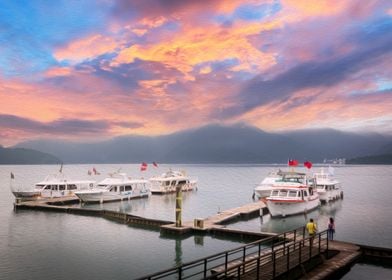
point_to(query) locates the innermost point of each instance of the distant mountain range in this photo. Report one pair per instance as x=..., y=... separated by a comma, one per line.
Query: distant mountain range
x=25, y=156
x=219, y=144
x=375, y=159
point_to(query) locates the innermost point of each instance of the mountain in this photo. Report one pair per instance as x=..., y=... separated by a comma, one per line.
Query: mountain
x=218, y=144
x=319, y=144
x=25, y=156
x=376, y=159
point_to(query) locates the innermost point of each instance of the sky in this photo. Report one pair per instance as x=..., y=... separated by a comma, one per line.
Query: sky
x=96, y=69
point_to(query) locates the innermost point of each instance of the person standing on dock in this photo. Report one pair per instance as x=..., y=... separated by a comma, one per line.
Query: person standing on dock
x=331, y=228
x=311, y=227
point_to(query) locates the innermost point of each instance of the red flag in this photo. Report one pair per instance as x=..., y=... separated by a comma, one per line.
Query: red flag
x=143, y=166
x=155, y=164
x=293, y=162
x=308, y=164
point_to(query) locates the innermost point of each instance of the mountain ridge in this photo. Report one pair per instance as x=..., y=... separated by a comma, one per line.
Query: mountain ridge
x=237, y=143
x=26, y=156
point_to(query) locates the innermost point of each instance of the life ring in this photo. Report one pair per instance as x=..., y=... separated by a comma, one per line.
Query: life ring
x=91, y=185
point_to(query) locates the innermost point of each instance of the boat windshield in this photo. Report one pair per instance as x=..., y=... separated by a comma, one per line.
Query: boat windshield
x=284, y=193
x=102, y=187
x=39, y=186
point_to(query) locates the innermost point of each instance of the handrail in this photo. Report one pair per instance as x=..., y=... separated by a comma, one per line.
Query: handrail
x=282, y=250
x=236, y=254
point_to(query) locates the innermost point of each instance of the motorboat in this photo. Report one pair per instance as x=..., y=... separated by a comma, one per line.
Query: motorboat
x=328, y=187
x=168, y=182
x=293, y=194
x=116, y=187
x=56, y=185
x=266, y=185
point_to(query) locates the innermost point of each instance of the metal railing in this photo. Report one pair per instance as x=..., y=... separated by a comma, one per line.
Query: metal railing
x=250, y=257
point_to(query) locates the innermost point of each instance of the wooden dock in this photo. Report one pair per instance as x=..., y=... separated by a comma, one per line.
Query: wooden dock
x=67, y=205
x=346, y=255
x=288, y=255
x=215, y=222
x=284, y=258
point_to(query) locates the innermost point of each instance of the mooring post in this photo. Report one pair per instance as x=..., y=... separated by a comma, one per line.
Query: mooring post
x=178, y=205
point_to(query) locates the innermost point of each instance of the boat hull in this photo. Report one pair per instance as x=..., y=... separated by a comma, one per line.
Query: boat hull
x=283, y=208
x=326, y=196
x=106, y=196
x=26, y=194
x=263, y=191
x=172, y=189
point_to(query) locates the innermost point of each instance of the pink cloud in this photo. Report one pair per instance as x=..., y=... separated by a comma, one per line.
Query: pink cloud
x=86, y=48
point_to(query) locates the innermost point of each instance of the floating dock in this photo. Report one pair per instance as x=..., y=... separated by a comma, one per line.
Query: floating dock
x=215, y=222
x=212, y=224
x=288, y=255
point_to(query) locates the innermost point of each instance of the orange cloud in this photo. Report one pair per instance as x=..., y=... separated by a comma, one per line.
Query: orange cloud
x=316, y=8
x=205, y=70
x=198, y=45
x=331, y=107
x=86, y=48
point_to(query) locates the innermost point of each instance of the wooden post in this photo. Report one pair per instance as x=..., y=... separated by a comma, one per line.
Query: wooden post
x=178, y=205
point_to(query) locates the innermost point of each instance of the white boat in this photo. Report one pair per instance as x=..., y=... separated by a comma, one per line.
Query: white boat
x=116, y=187
x=328, y=187
x=265, y=187
x=293, y=194
x=168, y=181
x=56, y=185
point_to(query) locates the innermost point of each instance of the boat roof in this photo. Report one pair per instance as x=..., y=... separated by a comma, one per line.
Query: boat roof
x=292, y=173
x=121, y=179
x=289, y=188
x=170, y=175
x=61, y=178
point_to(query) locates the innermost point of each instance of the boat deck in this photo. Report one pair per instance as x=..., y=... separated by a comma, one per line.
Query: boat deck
x=216, y=221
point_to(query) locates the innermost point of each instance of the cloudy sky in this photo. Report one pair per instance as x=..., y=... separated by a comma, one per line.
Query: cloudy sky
x=95, y=69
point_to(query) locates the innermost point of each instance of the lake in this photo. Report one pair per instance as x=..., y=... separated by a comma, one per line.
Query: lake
x=47, y=245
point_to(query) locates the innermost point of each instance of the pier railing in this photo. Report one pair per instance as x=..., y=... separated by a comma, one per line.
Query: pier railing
x=271, y=256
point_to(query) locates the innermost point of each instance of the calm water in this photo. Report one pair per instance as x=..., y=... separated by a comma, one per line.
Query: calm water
x=45, y=245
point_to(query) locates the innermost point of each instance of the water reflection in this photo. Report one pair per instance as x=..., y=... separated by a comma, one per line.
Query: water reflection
x=178, y=252
x=277, y=225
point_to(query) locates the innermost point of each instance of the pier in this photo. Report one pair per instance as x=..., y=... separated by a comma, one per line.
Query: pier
x=288, y=255
x=66, y=204
x=215, y=222
x=212, y=224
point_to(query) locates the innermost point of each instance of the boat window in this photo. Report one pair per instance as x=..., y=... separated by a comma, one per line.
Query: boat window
x=305, y=193
x=113, y=189
x=61, y=187
x=128, y=188
x=72, y=187
x=283, y=193
x=167, y=183
x=173, y=183
x=292, y=193
x=275, y=193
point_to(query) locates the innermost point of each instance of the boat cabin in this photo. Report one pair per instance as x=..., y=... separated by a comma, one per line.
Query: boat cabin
x=56, y=187
x=292, y=193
